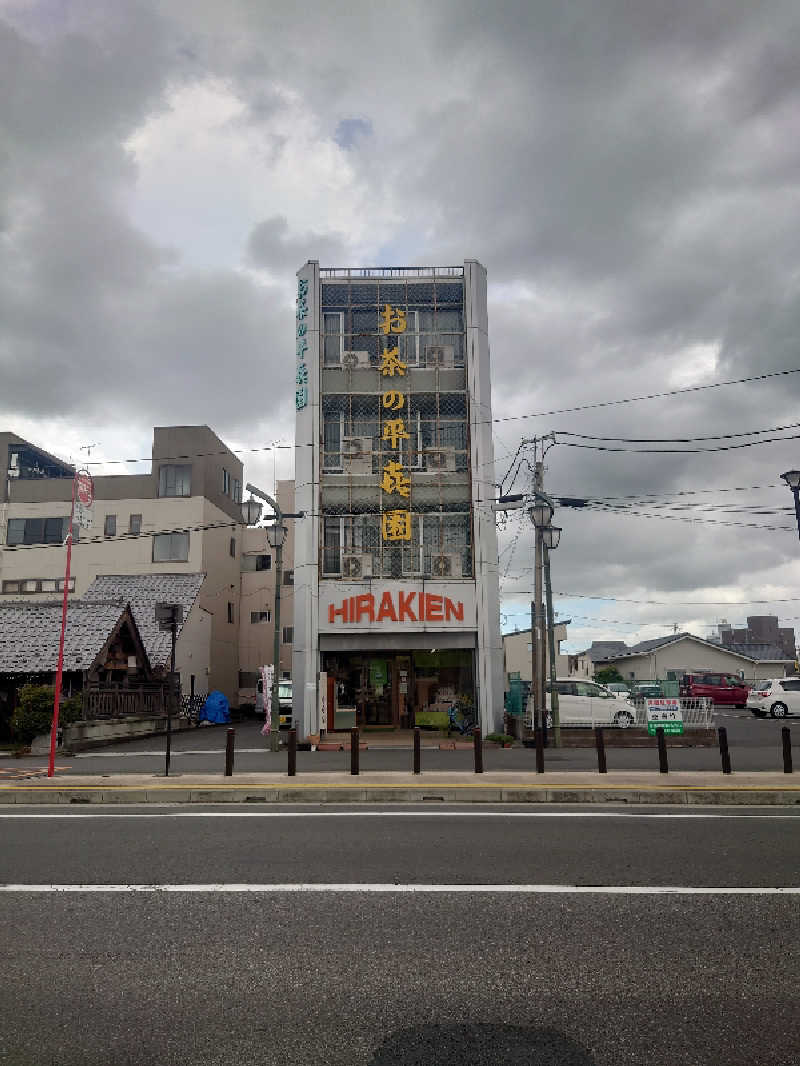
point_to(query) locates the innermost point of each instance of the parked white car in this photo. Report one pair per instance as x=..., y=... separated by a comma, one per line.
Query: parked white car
x=585, y=703
x=776, y=697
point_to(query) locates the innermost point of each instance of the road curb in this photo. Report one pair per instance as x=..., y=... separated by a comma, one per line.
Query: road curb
x=330, y=792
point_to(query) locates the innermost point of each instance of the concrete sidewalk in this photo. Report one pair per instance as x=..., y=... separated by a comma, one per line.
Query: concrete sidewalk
x=402, y=787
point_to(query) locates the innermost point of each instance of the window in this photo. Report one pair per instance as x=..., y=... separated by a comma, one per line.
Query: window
x=232, y=547
x=333, y=328
x=71, y=585
x=226, y=483
x=171, y=548
x=135, y=524
x=288, y=577
x=11, y=586
x=790, y=686
x=36, y=584
x=175, y=481
x=110, y=526
x=230, y=611
x=259, y=616
x=256, y=562
x=38, y=531
x=237, y=491
x=288, y=634
x=567, y=688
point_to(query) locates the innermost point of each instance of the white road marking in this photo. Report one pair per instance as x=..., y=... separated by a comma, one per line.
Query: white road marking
x=437, y=813
x=414, y=889
x=160, y=754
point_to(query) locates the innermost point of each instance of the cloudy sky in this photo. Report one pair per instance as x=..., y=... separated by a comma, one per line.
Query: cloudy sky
x=628, y=173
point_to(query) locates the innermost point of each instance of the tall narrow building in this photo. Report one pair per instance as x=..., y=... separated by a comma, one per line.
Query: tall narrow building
x=396, y=574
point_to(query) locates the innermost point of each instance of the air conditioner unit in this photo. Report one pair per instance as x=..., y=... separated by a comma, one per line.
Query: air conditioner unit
x=355, y=360
x=448, y=565
x=356, y=567
x=440, y=459
x=439, y=355
x=357, y=455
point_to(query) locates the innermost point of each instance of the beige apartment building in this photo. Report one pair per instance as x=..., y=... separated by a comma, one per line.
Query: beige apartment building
x=517, y=654
x=182, y=518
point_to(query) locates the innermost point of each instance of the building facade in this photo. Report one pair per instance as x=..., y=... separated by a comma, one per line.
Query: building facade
x=669, y=658
x=183, y=517
x=396, y=577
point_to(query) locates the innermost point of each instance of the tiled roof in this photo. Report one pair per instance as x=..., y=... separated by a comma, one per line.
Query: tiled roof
x=656, y=642
x=759, y=651
x=143, y=592
x=29, y=634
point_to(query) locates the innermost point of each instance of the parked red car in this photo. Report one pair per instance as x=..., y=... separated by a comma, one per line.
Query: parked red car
x=721, y=688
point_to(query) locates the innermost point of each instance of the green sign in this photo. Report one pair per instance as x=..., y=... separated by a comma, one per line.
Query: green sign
x=673, y=728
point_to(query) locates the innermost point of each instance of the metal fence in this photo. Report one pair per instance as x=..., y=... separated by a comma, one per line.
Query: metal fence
x=697, y=714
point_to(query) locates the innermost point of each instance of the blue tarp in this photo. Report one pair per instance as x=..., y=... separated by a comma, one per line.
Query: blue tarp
x=215, y=709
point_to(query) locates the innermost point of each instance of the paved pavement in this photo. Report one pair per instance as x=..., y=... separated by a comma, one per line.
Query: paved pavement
x=755, y=744
x=566, y=936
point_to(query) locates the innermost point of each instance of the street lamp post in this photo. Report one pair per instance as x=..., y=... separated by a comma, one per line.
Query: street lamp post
x=276, y=534
x=792, y=479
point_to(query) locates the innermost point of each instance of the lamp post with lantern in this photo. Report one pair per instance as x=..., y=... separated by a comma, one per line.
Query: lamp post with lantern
x=276, y=534
x=792, y=479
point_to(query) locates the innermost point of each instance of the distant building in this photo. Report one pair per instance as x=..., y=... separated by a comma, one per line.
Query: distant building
x=763, y=631
x=517, y=654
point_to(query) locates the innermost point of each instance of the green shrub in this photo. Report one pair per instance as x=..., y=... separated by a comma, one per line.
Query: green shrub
x=33, y=714
x=499, y=738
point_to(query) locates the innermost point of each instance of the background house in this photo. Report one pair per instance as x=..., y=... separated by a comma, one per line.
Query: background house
x=517, y=654
x=669, y=658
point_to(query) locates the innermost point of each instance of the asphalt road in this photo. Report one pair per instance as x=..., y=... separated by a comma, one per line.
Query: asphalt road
x=755, y=744
x=571, y=936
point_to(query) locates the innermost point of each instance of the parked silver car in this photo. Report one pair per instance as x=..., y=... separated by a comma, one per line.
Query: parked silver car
x=585, y=703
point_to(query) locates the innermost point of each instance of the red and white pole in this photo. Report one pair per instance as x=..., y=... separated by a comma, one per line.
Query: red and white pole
x=60, y=669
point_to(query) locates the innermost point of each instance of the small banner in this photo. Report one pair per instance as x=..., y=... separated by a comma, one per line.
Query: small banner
x=267, y=673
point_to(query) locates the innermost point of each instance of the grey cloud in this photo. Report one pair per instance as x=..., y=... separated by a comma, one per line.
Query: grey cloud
x=270, y=246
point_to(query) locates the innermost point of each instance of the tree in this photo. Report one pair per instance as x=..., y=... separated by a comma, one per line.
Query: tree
x=609, y=675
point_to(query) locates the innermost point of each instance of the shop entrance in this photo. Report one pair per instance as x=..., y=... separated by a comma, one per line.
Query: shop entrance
x=397, y=690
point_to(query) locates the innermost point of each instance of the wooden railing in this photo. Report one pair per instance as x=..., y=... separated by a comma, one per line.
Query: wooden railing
x=116, y=703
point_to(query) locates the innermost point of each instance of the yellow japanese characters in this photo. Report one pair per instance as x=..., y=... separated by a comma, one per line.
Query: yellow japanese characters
x=395, y=524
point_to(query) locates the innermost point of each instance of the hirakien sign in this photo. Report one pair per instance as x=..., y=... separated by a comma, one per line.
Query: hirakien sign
x=428, y=605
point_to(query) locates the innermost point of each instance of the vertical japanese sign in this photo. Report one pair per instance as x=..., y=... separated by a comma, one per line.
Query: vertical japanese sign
x=267, y=673
x=396, y=521
x=84, y=499
x=301, y=374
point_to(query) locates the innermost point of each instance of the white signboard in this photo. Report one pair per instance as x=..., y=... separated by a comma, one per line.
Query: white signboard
x=396, y=606
x=666, y=714
x=267, y=674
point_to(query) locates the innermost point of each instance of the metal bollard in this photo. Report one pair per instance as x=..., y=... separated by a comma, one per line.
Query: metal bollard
x=724, y=754
x=477, y=748
x=663, y=765
x=417, y=753
x=539, y=752
x=600, y=744
x=229, y=741
x=354, y=752
x=786, y=740
x=291, y=749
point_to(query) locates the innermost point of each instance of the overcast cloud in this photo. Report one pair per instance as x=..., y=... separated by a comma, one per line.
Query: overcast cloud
x=628, y=173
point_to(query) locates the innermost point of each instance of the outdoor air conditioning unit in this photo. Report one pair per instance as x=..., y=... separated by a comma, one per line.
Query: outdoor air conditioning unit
x=356, y=567
x=440, y=459
x=355, y=360
x=357, y=455
x=448, y=565
x=439, y=355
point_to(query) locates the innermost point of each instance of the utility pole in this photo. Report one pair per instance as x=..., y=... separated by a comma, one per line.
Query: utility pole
x=537, y=643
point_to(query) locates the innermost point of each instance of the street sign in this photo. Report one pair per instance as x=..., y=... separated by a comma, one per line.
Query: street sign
x=666, y=714
x=84, y=499
x=168, y=614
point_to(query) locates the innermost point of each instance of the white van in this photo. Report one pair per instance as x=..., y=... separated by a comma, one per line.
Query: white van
x=585, y=703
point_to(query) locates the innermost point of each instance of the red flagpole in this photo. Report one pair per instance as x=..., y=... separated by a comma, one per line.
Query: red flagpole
x=60, y=670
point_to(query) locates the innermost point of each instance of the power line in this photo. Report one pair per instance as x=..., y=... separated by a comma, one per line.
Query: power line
x=677, y=451
x=680, y=440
